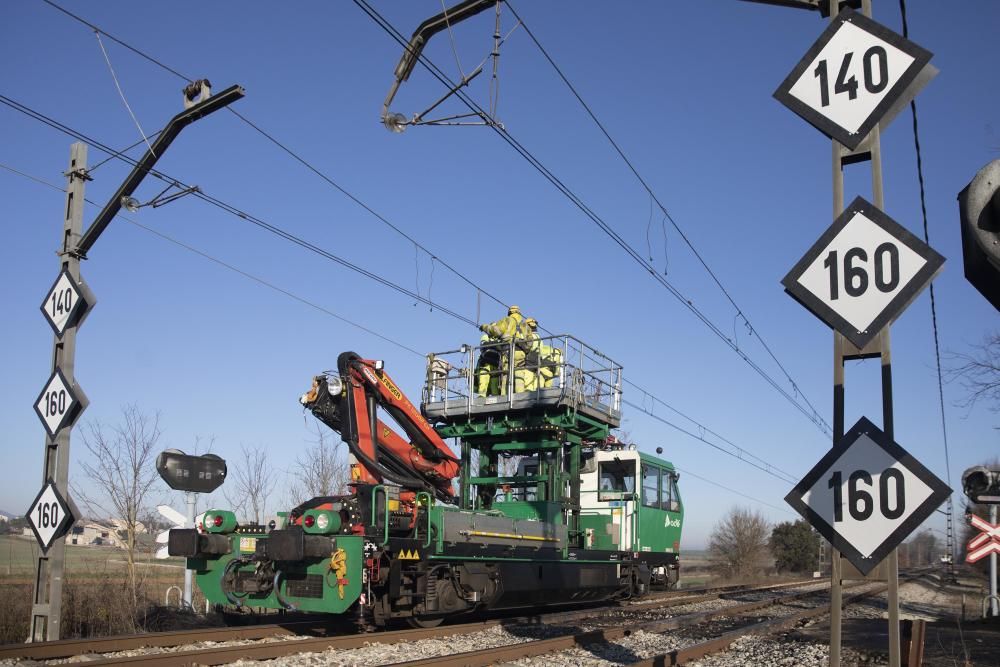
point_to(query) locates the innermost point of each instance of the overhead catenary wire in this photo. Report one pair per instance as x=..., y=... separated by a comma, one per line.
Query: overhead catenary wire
x=235, y=211
x=740, y=454
x=732, y=490
x=277, y=231
x=322, y=309
x=653, y=198
x=434, y=258
x=285, y=148
x=733, y=449
x=121, y=93
x=226, y=265
x=934, y=322
x=809, y=412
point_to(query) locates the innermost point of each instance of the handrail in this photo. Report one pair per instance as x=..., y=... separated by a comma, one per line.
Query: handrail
x=430, y=501
x=385, y=493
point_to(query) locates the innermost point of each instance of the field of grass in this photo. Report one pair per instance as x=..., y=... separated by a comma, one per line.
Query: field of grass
x=96, y=599
x=18, y=555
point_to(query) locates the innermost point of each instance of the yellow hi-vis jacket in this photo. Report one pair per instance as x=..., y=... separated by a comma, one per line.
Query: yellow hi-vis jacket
x=504, y=329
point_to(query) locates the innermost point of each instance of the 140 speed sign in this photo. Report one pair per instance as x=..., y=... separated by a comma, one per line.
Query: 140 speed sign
x=862, y=272
x=866, y=495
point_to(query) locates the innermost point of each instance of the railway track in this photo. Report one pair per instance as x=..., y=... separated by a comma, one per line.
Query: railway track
x=268, y=641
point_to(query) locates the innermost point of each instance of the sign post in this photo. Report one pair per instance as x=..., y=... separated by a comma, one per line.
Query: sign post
x=65, y=306
x=850, y=83
x=58, y=406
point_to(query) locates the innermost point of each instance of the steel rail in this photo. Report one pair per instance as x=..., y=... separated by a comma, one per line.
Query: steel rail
x=220, y=655
x=532, y=649
x=71, y=647
x=723, y=641
x=65, y=648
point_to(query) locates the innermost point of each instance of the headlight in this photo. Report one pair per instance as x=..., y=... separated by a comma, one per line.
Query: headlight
x=321, y=522
x=219, y=521
x=334, y=385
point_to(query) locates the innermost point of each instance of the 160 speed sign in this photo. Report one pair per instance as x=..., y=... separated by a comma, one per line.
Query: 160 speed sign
x=866, y=495
x=862, y=272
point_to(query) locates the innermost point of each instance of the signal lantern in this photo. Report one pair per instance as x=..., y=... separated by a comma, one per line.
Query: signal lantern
x=220, y=521
x=979, y=210
x=982, y=485
x=321, y=522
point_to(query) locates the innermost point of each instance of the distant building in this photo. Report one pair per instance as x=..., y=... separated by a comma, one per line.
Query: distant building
x=119, y=524
x=86, y=532
x=97, y=533
x=5, y=518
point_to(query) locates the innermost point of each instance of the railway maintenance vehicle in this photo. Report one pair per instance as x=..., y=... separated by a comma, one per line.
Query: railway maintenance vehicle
x=539, y=505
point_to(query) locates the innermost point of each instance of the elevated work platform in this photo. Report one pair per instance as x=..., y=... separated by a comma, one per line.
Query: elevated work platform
x=552, y=373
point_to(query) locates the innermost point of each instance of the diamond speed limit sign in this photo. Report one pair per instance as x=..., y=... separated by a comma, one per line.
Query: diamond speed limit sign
x=59, y=404
x=50, y=516
x=851, y=77
x=66, y=303
x=862, y=272
x=866, y=495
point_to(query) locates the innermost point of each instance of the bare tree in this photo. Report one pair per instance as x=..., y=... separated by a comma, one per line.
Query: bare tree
x=323, y=471
x=737, y=546
x=121, y=468
x=979, y=372
x=923, y=549
x=250, y=482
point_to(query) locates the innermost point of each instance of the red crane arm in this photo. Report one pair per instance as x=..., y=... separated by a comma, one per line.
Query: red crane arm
x=421, y=462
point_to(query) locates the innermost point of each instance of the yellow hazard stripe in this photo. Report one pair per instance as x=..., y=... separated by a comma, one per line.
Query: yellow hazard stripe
x=512, y=536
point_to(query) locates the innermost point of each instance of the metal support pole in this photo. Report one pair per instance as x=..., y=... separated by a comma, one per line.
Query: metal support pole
x=46, y=608
x=993, y=570
x=836, y=591
x=840, y=347
x=878, y=196
x=189, y=498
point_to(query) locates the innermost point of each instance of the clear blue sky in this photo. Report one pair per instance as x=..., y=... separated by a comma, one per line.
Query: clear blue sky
x=685, y=89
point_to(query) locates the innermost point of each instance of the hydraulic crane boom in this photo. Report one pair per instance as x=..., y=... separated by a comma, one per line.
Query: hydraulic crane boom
x=347, y=403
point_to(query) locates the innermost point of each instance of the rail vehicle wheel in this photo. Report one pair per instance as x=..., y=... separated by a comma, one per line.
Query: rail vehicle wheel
x=425, y=622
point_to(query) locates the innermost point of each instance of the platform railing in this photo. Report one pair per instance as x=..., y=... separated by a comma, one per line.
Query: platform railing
x=499, y=372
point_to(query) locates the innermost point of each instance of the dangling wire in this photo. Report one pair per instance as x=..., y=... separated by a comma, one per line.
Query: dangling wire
x=666, y=256
x=649, y=223
x=416, y=269
x=430, y=285
x=120, y=93
x=451, y=36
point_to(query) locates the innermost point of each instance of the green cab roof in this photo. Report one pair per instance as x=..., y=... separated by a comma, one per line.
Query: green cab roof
x=649, y=458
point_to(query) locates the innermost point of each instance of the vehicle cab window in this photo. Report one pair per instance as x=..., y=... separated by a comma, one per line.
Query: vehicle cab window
x=672, y=501
x=650, y=486
x=616, y=480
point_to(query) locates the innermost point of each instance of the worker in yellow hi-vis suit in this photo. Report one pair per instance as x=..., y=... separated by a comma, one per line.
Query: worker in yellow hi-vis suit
x=526, y=376
x=542, y=359
x=488, y=367
x=508, y=330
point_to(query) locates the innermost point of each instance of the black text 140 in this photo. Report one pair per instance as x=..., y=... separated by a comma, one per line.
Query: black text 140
x=875, y=73
x=861, y=494
x=62, y=302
